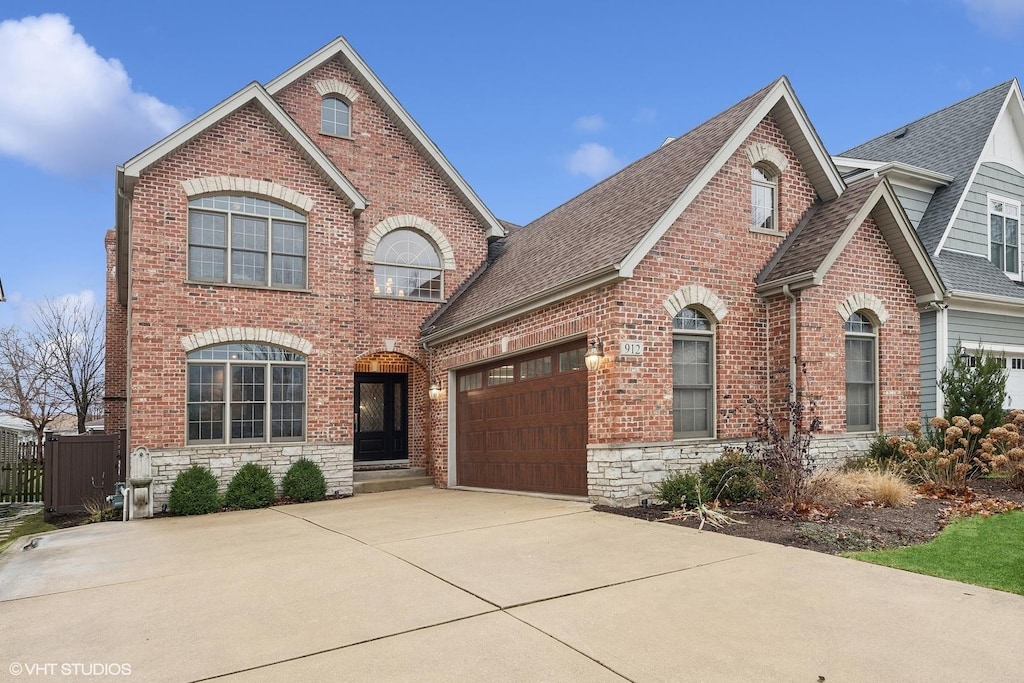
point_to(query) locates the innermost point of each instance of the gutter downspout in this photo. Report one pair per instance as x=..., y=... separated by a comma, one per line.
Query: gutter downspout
x=792, y=348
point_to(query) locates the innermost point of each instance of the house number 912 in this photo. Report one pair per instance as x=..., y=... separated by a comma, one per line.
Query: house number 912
x=631, y=348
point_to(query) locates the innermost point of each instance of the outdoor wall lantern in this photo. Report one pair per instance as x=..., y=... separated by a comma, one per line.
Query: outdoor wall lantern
x=594, y=355
x=434, y=392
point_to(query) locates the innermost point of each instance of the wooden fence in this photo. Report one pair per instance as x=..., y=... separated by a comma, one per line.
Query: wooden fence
x=21, y=479
x=81, y=469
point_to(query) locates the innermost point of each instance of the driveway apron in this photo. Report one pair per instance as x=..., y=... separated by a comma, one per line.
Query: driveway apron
x=425, y=585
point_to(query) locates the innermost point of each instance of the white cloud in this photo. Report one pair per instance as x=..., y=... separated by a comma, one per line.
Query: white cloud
x=23, y=312
x=1001, y=18
x=593, y=160
x=592, y=123
x=66, y=109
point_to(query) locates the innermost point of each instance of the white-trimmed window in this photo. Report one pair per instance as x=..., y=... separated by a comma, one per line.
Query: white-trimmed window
x=1004, y=235
x=246, y=393
x=764, y=198
x=407, y=266
x=335, y=117
x=246, y=241
x=693, y=375
x=861, y=383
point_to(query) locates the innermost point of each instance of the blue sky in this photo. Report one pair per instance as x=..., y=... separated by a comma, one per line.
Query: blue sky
x=531, y=101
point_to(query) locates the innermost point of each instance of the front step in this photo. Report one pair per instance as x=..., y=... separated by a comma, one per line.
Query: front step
x=375, y=481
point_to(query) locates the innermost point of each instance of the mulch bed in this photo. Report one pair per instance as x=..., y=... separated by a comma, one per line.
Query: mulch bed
x=849, y=528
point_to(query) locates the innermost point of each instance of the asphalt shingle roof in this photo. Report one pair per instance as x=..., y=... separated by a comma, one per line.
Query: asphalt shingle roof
x=597, y=228
x=807, y=246
x=949, y=141
x=969, y=273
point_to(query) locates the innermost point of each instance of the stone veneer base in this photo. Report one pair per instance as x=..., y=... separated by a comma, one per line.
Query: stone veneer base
x=621, y=475
x=335, y=459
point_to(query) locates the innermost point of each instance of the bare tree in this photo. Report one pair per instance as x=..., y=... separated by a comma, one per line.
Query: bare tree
x=27, y=386
x=73, y=333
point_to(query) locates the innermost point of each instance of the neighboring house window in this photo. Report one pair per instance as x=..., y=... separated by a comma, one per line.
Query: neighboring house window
x=1004, y=235
x=764, y=192
x=335, y=117
x=861, y=389
x=693, y=375
x=407, y=266
x=246, y=393
x=246, y=241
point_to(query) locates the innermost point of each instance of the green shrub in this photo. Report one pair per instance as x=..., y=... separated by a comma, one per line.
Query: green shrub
x=734, y=477
x=251, y=487
x=304, y=482
x=194, y=492
x=682, y=489
x=977, y=390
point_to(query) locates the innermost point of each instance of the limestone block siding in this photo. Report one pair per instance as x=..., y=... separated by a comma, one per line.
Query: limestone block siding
x=624, y=474
x=334, y=459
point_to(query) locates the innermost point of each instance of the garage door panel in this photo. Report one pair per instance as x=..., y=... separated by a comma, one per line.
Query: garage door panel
x=527, y=434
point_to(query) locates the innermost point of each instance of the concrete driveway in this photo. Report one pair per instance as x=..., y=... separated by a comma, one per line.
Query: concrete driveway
x=428, y=585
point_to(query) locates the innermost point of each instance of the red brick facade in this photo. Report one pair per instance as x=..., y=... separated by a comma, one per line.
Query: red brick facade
x=710, y=246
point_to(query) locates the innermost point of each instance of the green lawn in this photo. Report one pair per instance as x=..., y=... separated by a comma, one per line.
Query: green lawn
x=31, y=524
x=984, y=552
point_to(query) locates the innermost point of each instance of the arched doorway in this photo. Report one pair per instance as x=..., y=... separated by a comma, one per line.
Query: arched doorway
x=387, y=406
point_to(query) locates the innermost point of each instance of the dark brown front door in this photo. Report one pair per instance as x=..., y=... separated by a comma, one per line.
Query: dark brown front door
x=380, y=417
x=522, y=423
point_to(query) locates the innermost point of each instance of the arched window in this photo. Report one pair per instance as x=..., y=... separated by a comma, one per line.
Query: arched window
x=335, y=117
x=407, y=266
x=764, y=192
x=693, y=375
x=861, y=384
x=246, y=241
x=246, y=393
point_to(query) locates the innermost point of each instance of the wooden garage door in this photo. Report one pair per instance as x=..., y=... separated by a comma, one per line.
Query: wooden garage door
x=522, y=423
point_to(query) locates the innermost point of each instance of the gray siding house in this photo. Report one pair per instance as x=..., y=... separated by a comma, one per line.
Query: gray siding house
x=959, y=175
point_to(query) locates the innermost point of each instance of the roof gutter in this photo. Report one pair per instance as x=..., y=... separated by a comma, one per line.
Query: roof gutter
x=785, y=285
x=962, y=300
x=606, y=275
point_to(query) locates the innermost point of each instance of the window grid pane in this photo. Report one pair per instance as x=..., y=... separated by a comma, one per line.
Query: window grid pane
x=537, y=367
x=407, y=283
x=335, y=117
x=470, y=382
x=860, y=383
x=572, y=360
x=501, y=375
x=248, y=267
x=693, y=385
x=208, y=409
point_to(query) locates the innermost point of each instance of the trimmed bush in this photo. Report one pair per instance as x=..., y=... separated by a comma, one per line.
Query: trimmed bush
x=304, y=482
x=734, y=477
x=251, y=487
x=682, y=489
x=194, y=492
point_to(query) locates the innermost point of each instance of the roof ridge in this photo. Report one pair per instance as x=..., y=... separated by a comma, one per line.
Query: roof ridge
x=657, y=150
x=930, y=115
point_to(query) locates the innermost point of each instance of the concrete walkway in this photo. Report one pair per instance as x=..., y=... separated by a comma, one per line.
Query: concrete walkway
x=426, y=585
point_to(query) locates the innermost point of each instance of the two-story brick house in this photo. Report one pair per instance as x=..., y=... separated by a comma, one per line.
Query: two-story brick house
x=300, y=272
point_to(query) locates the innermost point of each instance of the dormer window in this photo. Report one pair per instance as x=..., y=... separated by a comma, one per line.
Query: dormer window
x=1004, y=235
x=764, y=198
x=335, y=117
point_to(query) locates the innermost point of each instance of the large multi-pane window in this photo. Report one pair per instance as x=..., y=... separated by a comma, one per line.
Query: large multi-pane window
x=861, y=387
x=246, y=393
x=1004, y=235
x=693, y=375
x=764, y=188
x=246, y=241
x=407, y=266
x=335, y=117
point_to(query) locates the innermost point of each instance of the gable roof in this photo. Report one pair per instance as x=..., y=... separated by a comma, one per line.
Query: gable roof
x=950, y=142
x=254, y=93
x=809, y=251
x=340, y=48
x=250, y=94
x=600, y=235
